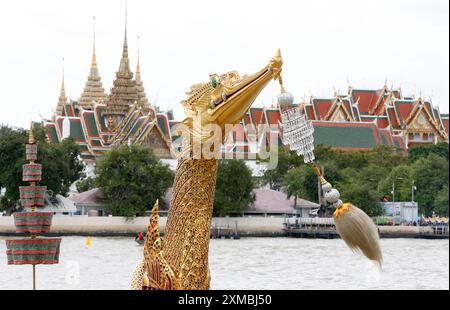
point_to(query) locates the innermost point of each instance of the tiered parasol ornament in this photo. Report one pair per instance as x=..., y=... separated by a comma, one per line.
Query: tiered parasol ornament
x=354, y=226
x=33, y=251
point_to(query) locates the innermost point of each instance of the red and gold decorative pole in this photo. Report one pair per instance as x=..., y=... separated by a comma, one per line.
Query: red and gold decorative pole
x=33, y=251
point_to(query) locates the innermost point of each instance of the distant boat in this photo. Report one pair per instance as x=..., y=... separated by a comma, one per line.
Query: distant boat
x=140, y=241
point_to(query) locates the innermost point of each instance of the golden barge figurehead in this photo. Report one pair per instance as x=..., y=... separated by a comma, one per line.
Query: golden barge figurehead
x=180, y=260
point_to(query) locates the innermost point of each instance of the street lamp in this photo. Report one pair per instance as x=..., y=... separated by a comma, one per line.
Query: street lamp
x=393, y=199
x=413, y=188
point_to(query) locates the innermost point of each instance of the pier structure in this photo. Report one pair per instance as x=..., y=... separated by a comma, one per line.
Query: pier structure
x=322, y=228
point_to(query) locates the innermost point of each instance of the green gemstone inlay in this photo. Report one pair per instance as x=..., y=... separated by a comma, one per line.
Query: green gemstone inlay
x=214, y=82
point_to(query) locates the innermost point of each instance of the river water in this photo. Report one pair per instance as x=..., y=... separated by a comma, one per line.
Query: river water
x=249, y=263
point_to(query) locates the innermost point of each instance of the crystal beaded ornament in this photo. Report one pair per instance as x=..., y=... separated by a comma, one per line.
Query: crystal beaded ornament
x=297, y=130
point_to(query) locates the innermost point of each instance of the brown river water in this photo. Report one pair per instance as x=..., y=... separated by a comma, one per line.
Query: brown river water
x=248, y=263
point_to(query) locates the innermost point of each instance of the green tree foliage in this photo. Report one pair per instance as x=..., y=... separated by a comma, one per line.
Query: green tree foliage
x=399, y=179
x=364, y=197
x=286, y=161
x=430, y=175
x=441, y=201
x=234, y=187
x=61, y=164
x=132, y=179
x=86, y=185
x=418, y=152
x=294, y=183
x=363, y=178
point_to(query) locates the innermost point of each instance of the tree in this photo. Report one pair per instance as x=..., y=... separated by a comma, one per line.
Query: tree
x=441, y=202
x=430, y=175
x=364, y=197
x=286, y=161
x=418, y=152
x=401, y=178
x=132, y=179
x=86, y=185
x=61, y=164
x=234, y=187
x=293, y=184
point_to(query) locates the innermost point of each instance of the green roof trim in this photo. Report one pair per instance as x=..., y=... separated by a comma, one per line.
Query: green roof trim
x=136, y=126
x=345, y=137
x=161, y=125
x=76, y=131
x=384, y=139
x=96, y=143
x=53, y=134
x=92, y=125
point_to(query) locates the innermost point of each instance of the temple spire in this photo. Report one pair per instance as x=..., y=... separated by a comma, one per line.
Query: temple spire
x=138, y=66
x=62, y=100
x=124, y=93
x=125, y=62
x=94, y=54
x=93, y=90
x=143, y=101
x=63, y=87
x=126, y=20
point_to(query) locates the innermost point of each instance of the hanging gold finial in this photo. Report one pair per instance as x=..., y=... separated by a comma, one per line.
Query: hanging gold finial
x=31, y=139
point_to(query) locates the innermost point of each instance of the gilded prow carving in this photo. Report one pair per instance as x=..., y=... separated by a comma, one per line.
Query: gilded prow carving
x=180, y=261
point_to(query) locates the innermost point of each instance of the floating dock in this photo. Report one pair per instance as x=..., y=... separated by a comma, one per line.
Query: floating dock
x=324, y=228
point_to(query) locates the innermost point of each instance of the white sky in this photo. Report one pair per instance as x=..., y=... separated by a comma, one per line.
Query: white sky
x=324, y=43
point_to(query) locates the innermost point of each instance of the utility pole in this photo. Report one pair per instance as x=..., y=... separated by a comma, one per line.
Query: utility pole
x=413, y=188
x=319, y=192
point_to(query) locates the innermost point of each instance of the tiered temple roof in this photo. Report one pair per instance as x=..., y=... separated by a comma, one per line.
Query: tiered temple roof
x=124, y=92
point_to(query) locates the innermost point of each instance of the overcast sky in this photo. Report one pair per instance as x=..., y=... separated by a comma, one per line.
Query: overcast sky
x=324, y=43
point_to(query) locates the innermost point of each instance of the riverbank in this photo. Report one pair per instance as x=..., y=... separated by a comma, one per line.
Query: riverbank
x=119, y=226
x=245, y=226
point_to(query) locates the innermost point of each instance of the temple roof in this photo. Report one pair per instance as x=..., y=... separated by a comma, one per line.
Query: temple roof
x=124, y=93
x=367, y=99
x=321, y=107
x=347, y=135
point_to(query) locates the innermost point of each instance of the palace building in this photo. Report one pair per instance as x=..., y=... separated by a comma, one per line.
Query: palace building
x=98, y=121
x=358, y=120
